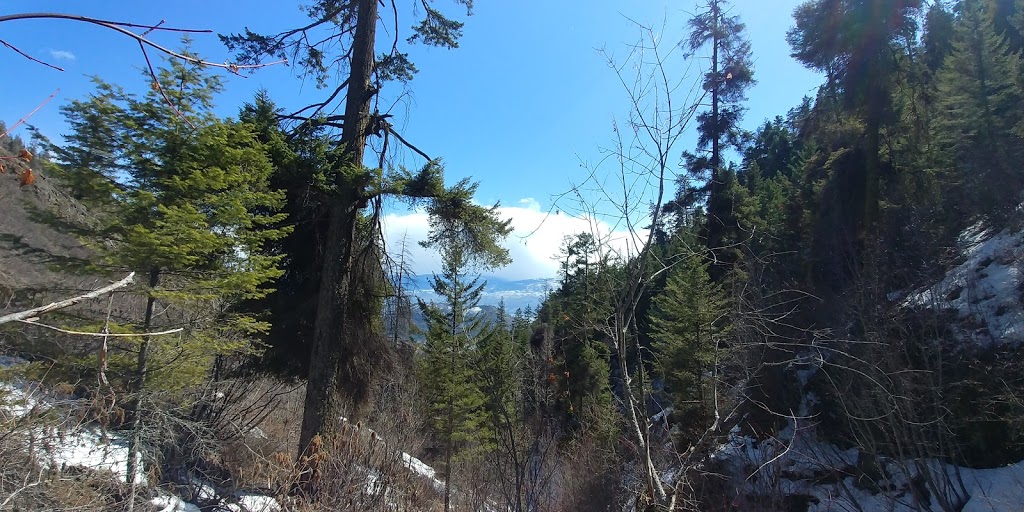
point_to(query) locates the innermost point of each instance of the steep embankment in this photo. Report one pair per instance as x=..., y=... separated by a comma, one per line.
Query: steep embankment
x=31, y=250
x=985, y=290
x=980, y=301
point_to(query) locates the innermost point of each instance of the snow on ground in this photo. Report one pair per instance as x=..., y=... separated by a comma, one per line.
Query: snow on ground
x=985, y=290
x=82, y=446
x=68, y=444
x=995, y=490
x=798, y=464
x=251, y=502
x=167, y=503
x=417, y=466
x=71, y=444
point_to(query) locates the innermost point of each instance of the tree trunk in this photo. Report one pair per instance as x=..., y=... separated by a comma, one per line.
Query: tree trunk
x=331, y=330
x=716, y=138
x=872, y=164
x=714, y=225
x=142, y=368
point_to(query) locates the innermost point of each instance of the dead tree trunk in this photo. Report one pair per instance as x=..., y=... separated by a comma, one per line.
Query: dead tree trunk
x=138, y=384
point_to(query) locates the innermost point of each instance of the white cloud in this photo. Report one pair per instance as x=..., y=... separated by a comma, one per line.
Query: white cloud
x=536, y=239
x=62, y=55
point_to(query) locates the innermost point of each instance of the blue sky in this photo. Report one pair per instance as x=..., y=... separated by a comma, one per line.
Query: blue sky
x=523, y=106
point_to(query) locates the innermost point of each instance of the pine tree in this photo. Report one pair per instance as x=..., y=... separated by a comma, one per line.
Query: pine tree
x=301, y=161
x=184, y=200
x=500, y=355
x=937, y=40
x=89, y=157
x=339, y=41
x=687, y=324
x=448, y=366
x=730, y=75
x=576, y=314
x=978, y=117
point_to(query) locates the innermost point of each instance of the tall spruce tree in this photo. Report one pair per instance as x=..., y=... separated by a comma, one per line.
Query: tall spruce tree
x=448, y=367
x=184, y=199
x=576, y=314
x=937, y=39
x=979, y=114
x=93, y=145
x=731, y=73
x=686, y=324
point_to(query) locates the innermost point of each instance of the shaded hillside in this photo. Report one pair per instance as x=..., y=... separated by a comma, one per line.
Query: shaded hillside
x=31, y=250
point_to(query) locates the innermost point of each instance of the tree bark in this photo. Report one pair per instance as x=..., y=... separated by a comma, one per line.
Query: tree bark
x=331, y=329
x=716, y=139
x=142, y=368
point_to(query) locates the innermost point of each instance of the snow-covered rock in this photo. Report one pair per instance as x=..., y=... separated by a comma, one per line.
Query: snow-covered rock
x=985, y=290
x=797, y=463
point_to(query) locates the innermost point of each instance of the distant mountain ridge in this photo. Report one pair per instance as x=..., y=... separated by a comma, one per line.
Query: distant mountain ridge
x=517, y=294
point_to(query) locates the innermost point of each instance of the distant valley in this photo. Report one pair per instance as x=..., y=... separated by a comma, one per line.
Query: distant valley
x=517, y=294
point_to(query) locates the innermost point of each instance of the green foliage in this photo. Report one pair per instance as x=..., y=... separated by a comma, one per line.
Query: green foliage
x=852, y=41
x=980, y=120
x=858, y=45
x=447, y=367
x=576, y=315
x=476, y=231
x=688, y=323
x=302, y=171
x=184, y=198
x=709, y=181
x=724, y=39
x=93, y=144
x=336, y=19
x=937, y=40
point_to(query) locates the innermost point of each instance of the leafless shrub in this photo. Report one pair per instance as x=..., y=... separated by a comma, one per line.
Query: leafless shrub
x=35, y=431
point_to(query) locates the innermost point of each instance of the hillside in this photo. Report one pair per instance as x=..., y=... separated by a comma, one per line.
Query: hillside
x=32, y=250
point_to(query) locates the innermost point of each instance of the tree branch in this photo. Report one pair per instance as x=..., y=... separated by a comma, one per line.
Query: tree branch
x=22, y=120
x=407, y=144
x=42, y=310
x=29, y=57
x=104, y=334
x=120, y=27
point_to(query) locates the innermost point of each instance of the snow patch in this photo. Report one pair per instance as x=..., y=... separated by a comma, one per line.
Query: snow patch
x=985, y=290
x=167, y=503
x=798, y=464
x=251, y=502
x=417, y=466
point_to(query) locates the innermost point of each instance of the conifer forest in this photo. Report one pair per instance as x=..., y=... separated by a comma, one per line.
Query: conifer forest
x=820, y=309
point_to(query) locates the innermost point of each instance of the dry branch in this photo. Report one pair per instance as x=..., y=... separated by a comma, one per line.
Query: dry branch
x=104, y=334
x=42, y=310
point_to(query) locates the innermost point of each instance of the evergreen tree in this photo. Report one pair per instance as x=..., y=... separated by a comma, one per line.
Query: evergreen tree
x=184, y=200
x=576, y=314
x=339, y=41
x=90, y=156
x=500, y=355
x=502, y=372
x=979, y=115
x=770, y=174
x=301, y=161
x=448, y=365
x=687, y=324
x=726, y=82
x=937, y=40
x=855, y=43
